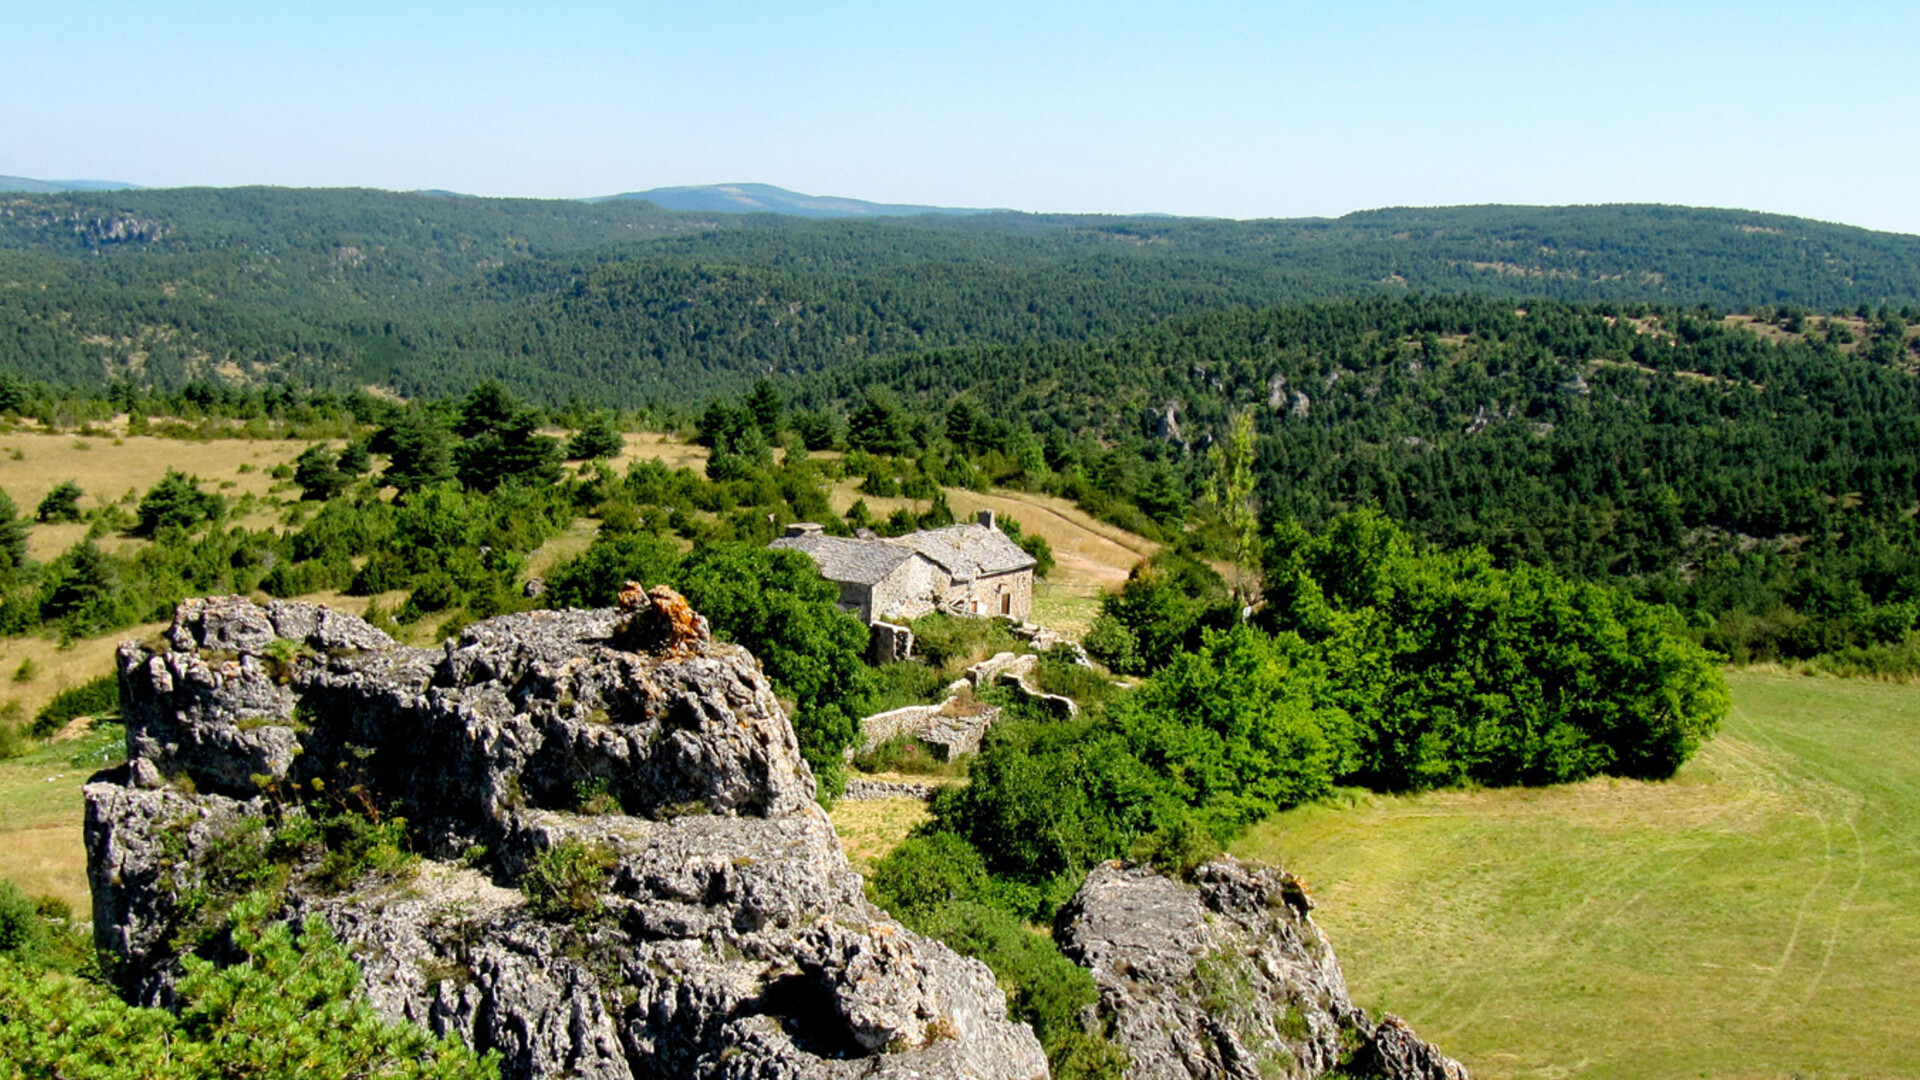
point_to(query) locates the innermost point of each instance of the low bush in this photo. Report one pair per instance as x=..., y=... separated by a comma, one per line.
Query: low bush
x=950, y=643
x=906, y=682
x=98, y=698
x=289, y=1006
x=23, y=934
x=906, y=754
x=565, y=882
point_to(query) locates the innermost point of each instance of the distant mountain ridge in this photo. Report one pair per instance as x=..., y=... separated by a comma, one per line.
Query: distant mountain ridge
x=767, y=199
x=51, y=187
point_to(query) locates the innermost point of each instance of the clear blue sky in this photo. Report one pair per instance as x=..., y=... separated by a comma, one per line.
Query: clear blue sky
x=1239, y=110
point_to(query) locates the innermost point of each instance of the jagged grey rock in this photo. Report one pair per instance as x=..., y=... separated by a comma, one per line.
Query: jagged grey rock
x=1227, y=977
x=735, y=940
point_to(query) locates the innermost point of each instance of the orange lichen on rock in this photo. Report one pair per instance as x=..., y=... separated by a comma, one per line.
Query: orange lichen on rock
x=660, y=620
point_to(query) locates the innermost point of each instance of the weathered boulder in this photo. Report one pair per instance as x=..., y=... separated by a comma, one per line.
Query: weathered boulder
x=730, y=937
x=1227, y=977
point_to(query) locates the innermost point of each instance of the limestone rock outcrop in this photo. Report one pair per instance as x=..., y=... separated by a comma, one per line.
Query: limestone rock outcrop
x=732, y=940
x=1228, y=978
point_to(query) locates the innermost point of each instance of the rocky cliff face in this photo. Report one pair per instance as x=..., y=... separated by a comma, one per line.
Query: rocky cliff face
x=1228, y=977
x=732, y=939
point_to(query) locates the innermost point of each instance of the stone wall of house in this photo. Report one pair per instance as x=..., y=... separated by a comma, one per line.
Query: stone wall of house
x=857, y=600
x=909, y=592
x=987, y=591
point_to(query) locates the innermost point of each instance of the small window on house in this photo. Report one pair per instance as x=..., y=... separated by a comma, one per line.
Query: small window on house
x=1006, y=603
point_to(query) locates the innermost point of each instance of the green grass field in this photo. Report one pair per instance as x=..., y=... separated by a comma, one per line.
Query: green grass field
x=1757, y=916
x=41, y=810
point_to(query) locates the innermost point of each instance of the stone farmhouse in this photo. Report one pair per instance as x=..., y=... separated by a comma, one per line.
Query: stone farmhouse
x=971, y=569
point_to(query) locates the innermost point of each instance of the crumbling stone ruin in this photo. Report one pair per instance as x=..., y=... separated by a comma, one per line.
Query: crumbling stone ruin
x=733, y=940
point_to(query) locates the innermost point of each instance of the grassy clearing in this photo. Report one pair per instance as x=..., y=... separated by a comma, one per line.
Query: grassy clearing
x=54, y=669
x=1758, y=916
x=1069, y=609
x=666, y=449
x=108, y=468
x=40, y=814
x=871, y=828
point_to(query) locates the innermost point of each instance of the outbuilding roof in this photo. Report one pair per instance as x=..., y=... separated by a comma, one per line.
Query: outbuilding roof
x=860, y=562
x=967, y=551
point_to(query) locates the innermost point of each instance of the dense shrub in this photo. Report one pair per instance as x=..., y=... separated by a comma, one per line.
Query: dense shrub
x=176, y=502
x=950, y=642
x=1454, y=670
x=98, y=697
x=1166, y=604
x=593, y=579
x=287, y=1006
x=22, y=932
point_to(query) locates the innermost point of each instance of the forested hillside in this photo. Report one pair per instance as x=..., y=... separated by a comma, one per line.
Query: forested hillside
x=1762, y=480
x=620, y=302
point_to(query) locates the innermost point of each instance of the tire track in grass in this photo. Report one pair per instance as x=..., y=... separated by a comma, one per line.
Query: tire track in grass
x=1554, y=946
x=1852, y=802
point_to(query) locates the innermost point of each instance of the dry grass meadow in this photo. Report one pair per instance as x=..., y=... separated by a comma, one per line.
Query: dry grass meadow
x=870, y=828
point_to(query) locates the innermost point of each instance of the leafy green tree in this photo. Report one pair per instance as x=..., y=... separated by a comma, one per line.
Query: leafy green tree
x=594, y=577
x=1241, y=727
x=421, y=454
x=13, y=540
x=765, y=408
x=355, y=458
x=878, y=425
x=777, y=605
x=1457, y=671
x=60, y=504
x=597, y=438
x=1231, y=494
x=317, y=471
x=176, y=502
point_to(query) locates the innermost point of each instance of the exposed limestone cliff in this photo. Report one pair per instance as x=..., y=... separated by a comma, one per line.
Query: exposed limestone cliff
x=732, y=941
x=1228, y=978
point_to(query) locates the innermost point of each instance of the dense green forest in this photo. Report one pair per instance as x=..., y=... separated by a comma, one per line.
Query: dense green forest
x=621, y=303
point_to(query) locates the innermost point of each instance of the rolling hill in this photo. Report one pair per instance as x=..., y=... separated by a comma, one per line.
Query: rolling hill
x=621, y=301
x=767, y=199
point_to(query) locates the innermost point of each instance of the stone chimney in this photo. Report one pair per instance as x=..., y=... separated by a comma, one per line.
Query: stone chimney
x=805, y=528
x=987, y=518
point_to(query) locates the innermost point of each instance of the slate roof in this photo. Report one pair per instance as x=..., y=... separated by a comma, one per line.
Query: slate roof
x=861, y=562
x=967, y=551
